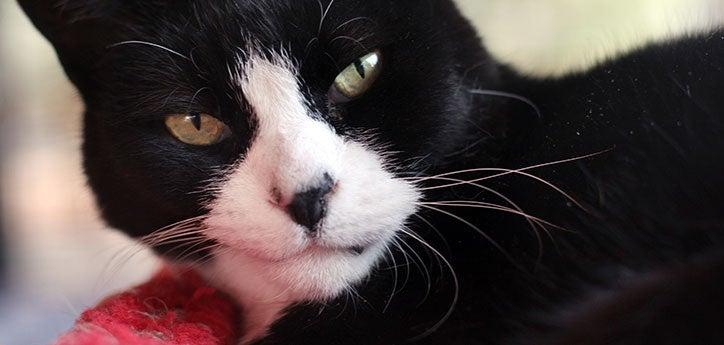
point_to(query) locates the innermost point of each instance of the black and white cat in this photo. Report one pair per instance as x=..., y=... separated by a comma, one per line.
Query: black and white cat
x=362, y=172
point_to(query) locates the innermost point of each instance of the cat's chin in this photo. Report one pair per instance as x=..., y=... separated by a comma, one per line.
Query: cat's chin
x=316, y=273
x=264, y=287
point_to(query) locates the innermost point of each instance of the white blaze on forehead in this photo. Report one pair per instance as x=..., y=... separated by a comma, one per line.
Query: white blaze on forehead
x=287, y=133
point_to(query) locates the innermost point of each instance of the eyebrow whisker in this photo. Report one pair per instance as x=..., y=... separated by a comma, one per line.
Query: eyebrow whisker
x=169, y=50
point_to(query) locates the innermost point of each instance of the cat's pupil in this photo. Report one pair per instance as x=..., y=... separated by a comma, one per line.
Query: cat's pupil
x=195, y=118
x=360, y=68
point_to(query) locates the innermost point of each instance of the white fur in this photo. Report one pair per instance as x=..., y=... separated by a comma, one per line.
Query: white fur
x=269, y=261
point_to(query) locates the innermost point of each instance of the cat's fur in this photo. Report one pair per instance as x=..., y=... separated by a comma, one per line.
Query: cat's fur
x=632, y=254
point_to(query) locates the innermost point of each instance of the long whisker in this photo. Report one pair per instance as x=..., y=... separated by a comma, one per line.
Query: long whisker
x=394, y=283
x=495, y=244
x=188, y=253
x=423, y=268
x=171, y=235
x=508, y=171
x=434, y=229
x=569, y=160
x=350, y=22
x=495, y=207
x=178, y=227
x=122, y=257
x=533, y=225
x=324, y=15
x=504, y=172
x=513, y=171
x=456, y=285
x=536, y=223
x=172, y=227
x=396, y=242
x=151, y=45
x=508, y=95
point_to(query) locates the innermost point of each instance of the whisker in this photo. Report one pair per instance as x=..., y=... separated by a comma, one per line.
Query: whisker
x=151, y=45
x=182, y=242
x=495, y=244
x=506, y=172
x=171, y=235
x=569, y=160
x=126, y=254
x=456, y=285
x=532, y=224
x=495, y=207
x=182, y=257
x=535, y=222
x=173, y=227
x=434, y=229
x=350, y=22
x=512, y=171
x=508, y=95
x=177, y=224
x=425, y=271
x=396, y=242
x=324, y=15
x=196, y=94
x=394, y=283
x=353, y=40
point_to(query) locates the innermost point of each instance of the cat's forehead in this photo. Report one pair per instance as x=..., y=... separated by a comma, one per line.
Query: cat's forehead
x=270, y=20
x=335, y=27
x=314, y=39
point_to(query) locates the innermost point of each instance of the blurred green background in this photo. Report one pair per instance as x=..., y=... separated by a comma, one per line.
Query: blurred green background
x=60, y=257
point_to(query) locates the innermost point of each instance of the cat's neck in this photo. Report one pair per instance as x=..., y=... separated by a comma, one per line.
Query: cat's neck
x=262, y=302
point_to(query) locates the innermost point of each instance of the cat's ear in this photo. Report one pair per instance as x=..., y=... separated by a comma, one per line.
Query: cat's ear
x=78, y=29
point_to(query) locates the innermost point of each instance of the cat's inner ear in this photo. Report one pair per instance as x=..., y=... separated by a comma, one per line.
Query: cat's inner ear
x=78, y=29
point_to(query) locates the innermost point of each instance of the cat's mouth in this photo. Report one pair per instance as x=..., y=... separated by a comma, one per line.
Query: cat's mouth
x=315, y=248
x=312, y=249
x=358, y=250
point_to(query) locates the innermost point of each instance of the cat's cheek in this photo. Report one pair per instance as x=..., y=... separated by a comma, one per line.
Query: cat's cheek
x=371, y=205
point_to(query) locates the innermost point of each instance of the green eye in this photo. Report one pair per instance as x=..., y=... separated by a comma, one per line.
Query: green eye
x=357, y=78
x=197, y=129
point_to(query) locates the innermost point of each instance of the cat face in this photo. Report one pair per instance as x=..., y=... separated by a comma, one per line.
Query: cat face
x=305, y=206
x=279, y=132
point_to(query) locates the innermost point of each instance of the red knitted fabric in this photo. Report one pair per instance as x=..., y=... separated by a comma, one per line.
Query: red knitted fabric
x=171, y=309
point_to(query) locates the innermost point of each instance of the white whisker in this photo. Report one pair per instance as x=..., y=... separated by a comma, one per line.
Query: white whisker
x=509, y=95
x=456, y=285
x=149, y=44
x=394, y=283
x=349, y=22
x=495, y=207
x=506, y=172
x=481, y=232
x=324, y=15
x=423, y=269
x=511, y=203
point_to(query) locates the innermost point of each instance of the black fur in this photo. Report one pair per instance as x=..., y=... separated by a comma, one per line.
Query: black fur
x=635, y=259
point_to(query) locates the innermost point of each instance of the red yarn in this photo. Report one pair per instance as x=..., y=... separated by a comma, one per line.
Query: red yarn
x=173, y=308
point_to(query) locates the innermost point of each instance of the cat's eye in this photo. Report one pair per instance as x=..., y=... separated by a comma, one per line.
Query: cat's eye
x=197, y=129
x=355, y=80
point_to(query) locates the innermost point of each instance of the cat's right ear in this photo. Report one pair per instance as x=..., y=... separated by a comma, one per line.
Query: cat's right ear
x=78, y=29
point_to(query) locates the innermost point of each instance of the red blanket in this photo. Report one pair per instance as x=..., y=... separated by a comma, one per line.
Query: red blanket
x=173, y=308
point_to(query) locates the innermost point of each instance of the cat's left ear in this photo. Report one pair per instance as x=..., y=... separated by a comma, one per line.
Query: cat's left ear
x=78, y=29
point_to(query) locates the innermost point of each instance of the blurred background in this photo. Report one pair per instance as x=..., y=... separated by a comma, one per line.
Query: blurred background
x=58, y=258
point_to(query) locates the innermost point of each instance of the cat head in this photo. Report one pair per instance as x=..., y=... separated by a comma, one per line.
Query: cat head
x=274, y=135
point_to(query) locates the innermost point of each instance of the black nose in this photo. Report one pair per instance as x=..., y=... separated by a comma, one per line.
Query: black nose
x=310, y=206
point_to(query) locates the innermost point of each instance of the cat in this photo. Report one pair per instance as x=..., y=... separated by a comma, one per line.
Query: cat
x=364, y=172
